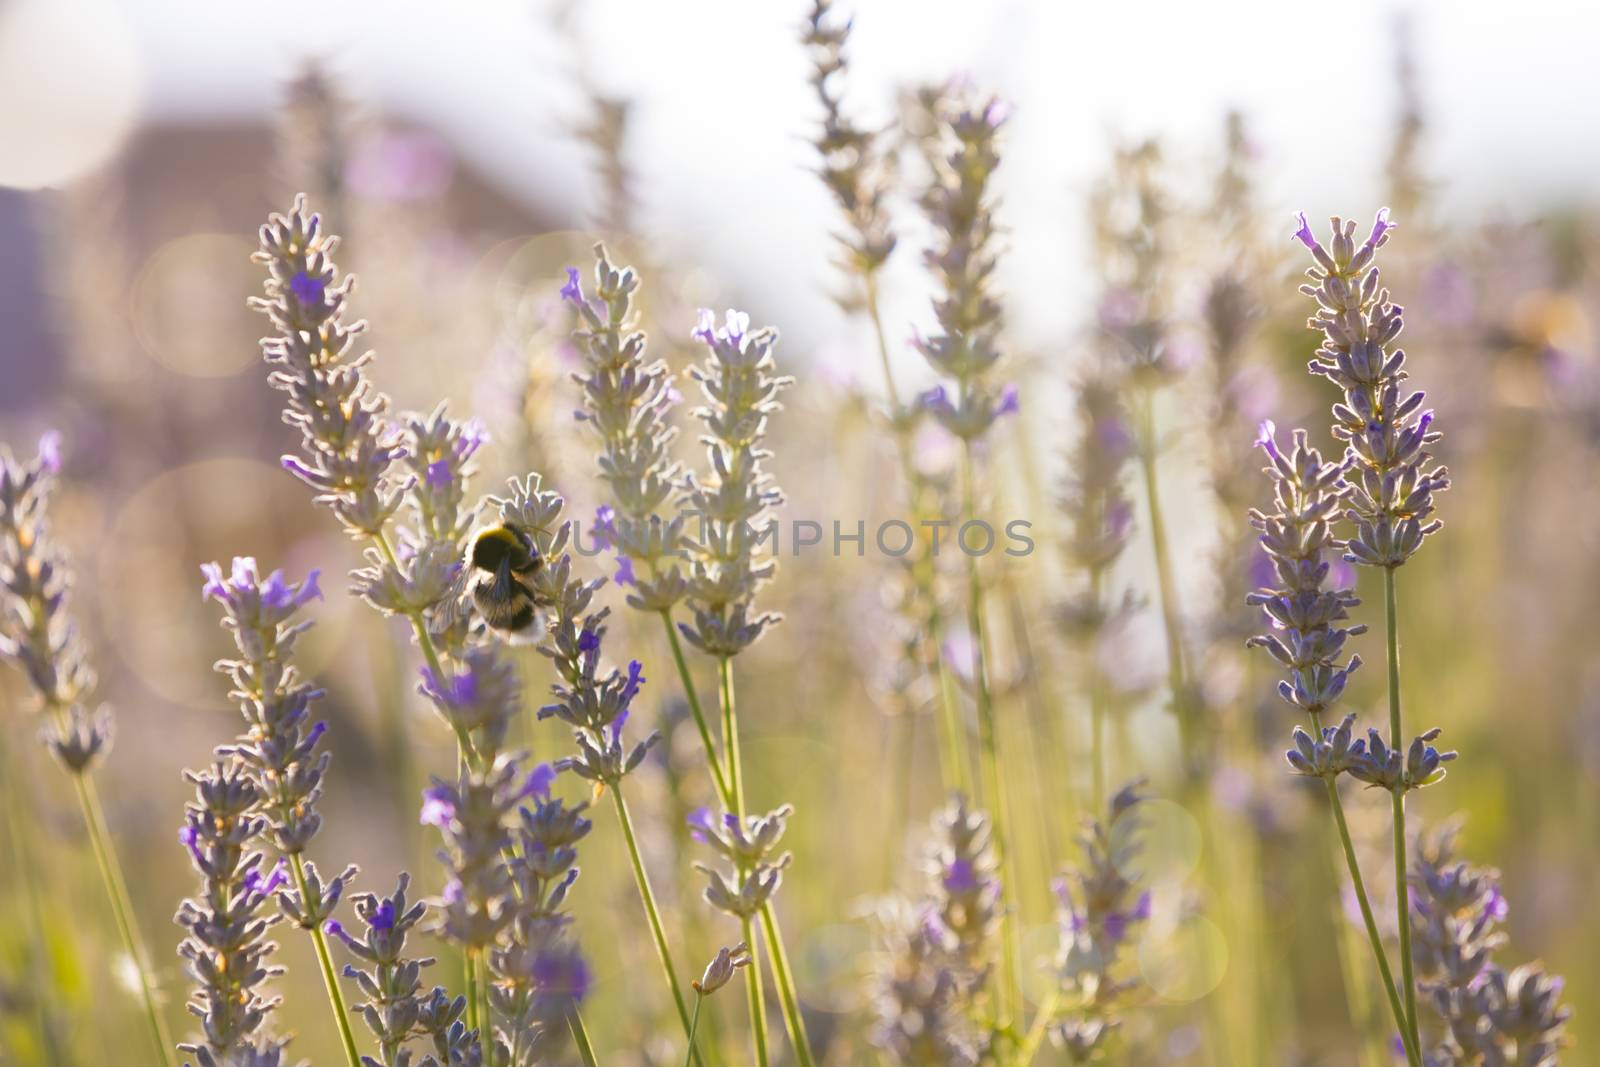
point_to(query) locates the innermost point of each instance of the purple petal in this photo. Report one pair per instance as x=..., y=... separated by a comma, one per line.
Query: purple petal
x=214, y=586
x=539, y=781
x=306, y=289
x=705, y=327
x=1303, y=234
x=50, y=452
x=573, y=290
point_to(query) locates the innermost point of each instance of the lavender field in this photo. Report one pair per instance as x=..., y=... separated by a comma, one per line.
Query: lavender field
x=791, y=537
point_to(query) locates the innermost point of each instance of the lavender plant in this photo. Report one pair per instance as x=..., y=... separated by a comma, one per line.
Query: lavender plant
x=1100, y=905
x=940, y=951
x=718, y=973
x=1392, y=481
x=1489, y=1015
x=1100, y=516
x=1133, y=219
x=917, y=999
x=626, y=400
x=595, y=704
x=1308, y=635
x=280, y=746
x=859, y=171
x=478, y=905
x=394, y=1006
x=353, y=453
x=739, y=381
x=39, y=637
x=227, y=922
x=959, y=202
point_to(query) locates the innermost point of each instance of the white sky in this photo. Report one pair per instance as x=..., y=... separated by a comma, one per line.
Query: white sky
x=1509, y=90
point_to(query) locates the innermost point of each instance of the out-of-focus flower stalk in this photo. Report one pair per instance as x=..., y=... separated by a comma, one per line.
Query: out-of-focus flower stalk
x=959, y=202
x=1095, y=504
x=22, y=850
x=1133, y=242
x=860, y=175
x=39, y=636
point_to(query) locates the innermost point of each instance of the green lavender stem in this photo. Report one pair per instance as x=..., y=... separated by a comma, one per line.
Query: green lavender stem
x=700, y=723
x=341, y=1016
x=580, y=1037
x=471, y=982
x=1097, y=702
x=651, y=911
x=22, y=863
x=121, y=905
x=792, y=1020
x=730, y=743
x=1401, y=888
x=755, y=999
x=425, y=641
x=1008, y=987
x=870, y=284
x=955, y=765
x=1036, y=1033
x=1382, y=958
x=694, y=1027
x=1165, y=582
x=730, y=790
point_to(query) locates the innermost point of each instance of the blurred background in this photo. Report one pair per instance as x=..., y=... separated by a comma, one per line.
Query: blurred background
x=468, y=157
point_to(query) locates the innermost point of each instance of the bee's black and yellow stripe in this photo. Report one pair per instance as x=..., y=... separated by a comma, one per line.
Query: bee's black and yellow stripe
x=502, y=556
x=499, y=544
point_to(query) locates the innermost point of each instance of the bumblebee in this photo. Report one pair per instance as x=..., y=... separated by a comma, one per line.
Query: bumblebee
x=496, y=574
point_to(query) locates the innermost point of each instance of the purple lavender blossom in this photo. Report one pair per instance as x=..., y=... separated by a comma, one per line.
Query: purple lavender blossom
x=960, y=877
x=563, y=973
x=190, y=839
x=539, y=781
x=383, y=917
x=635, y=680
x=307, y=289
x=438, y=806
x=50, y=452
x=701, y=826
x=245, y=595
x=735, y=325
x=573, y=290
x=1304, y=234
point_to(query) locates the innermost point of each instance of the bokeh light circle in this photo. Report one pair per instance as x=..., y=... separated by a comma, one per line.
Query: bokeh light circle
x=148, y=573
x=1186, y=962
x=1169, y=840
x=186, y=309
x=71, y=85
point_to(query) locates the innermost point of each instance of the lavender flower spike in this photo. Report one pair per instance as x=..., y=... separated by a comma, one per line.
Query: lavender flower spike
x=627, y=397
x=731, y=501
x=1384, y=427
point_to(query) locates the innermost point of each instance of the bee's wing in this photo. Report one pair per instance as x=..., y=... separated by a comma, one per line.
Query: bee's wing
x=457, y=604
